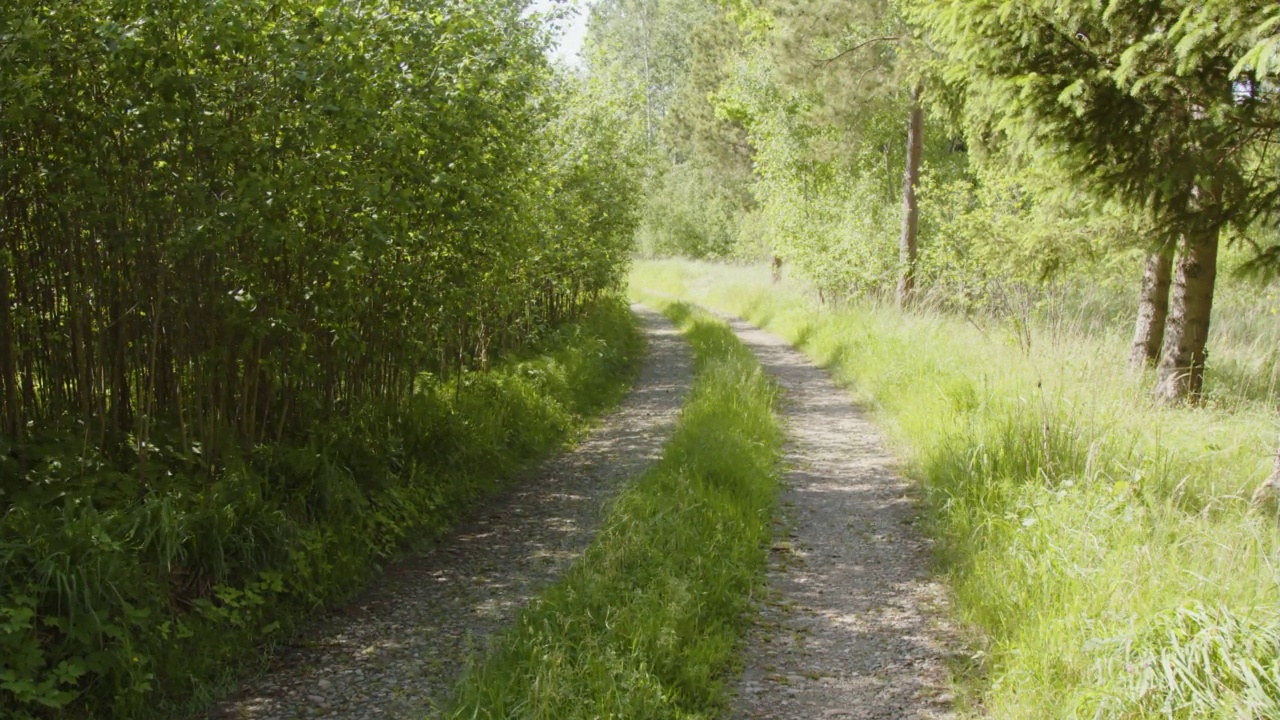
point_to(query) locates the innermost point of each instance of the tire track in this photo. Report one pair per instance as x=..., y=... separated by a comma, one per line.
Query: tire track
x=852, y=624
x=397, y=651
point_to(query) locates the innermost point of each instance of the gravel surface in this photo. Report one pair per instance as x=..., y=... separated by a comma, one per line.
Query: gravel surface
x=397, y=651
x=851, y=626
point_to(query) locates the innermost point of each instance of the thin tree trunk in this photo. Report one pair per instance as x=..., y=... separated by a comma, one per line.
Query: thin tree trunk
x=910, y=204
x=648, y=83
x=1187, y=332
x=1153, y=309
x=10, y=417
x=1271, y=486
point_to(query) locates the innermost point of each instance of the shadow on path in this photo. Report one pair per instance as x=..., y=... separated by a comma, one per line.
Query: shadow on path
x=397, y=650
x=852, y=624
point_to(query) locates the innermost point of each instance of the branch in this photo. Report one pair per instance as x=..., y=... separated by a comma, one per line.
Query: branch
x=1262, y=158
x=859, y=46
x=1077, y=40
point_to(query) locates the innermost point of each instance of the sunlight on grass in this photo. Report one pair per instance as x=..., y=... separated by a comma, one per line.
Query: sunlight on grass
x=166, y=600
x=1102, y=546
x=646, y=624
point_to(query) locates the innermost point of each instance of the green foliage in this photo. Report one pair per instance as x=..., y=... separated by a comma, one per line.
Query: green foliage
x=256, y=260
x=1198, y=662
x=1143, y=103
x=829, y=140
x=592, y=191
x=683, y=215
x=1102, y=546
x=235, y=219
x=1002, y=227
x=646, y=624
x=1095, y=129
x=660, y=60
x=132, y=608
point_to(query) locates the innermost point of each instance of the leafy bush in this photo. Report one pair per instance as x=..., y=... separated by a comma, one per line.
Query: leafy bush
x=226, y=222
x=125, y=605
x=683, y=215
x=256, y=260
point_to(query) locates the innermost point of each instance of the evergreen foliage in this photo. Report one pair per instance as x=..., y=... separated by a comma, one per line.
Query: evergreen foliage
x=1070, y=149
x=1147, y=102
x=1061, y=141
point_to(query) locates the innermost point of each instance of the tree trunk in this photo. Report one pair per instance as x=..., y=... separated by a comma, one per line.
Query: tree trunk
x=1153, y=309
x=10, y=416
x=1187, y=332
x=1269, y=487
x=910, y=204
x=648, y=83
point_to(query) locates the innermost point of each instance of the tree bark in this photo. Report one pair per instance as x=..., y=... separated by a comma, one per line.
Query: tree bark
x=10, y=415
x=1269, y=487
x=910, y=204
x=648, y=83
x=1181, y=369
x=1153, y=309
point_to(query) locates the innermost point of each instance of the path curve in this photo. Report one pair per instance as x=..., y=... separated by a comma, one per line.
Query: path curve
x=397, y=651
x=852, y=625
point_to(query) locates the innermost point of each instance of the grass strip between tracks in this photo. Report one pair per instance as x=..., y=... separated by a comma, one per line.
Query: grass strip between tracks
x=1102, y=547
x=647, y=623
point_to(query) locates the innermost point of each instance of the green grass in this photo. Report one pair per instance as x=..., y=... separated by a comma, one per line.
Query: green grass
x=148, y=605
x=646, y=624
x=1100, y=547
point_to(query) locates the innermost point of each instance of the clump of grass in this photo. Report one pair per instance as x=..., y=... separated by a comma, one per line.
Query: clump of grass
x=646, y=624
x=1197, y=662
x=1071, y=510
x=144, y=606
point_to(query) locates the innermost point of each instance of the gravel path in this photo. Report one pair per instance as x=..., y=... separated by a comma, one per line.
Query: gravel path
x=851, y=626
x=396, y=652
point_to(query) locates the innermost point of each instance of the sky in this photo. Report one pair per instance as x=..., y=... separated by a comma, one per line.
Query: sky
x=572, y=31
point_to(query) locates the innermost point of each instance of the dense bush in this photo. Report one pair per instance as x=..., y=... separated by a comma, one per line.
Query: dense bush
x=235, y=217
x=117, y=606
x=683, y=217
x=255, y=258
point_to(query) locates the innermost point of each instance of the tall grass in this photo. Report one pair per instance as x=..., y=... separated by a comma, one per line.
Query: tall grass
x=646, y=624
x=1101, y=546
x=1244, y=339
x=140, y=606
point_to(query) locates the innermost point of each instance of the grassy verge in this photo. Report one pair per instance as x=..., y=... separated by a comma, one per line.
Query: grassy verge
x=1102, y=545
x=646, y=624
x=143, y=606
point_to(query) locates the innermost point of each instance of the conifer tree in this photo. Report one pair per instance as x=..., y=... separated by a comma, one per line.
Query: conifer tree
x=1152, y=103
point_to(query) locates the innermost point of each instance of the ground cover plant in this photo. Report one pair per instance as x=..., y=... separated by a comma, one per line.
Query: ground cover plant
x=125, y=609
x=1101, y=545
x=647, y=623
x=281, y=284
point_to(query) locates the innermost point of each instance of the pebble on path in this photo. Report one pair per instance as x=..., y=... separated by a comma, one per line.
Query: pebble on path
x=853, y=624
x=397, y=651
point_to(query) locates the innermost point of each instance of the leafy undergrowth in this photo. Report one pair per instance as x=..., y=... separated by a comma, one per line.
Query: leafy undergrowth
x=1101, y=546
x=646, y=624
x=137, y=607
